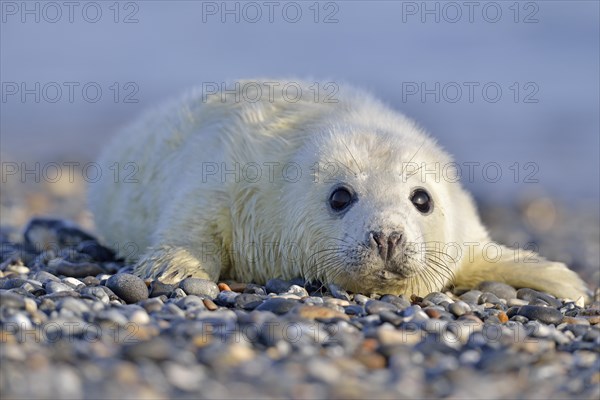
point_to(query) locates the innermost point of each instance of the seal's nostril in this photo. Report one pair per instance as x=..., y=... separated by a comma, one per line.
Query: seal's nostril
x=378, y=237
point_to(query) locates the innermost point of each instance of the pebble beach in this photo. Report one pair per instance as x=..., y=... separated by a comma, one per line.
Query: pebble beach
x=75, y=323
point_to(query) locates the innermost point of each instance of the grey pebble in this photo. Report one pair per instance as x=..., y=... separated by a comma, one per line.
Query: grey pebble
x=226, y=298
x=471, y=297
x=459, y=308
x=377, y=306
x=277, y=305
x=56, y=287
x=277, y=286
x=43, y=276
x=501, y=290
x=156, y=349
x=533, y=295
x=97, y=292
x=249, y=301
x=199, y=287
x=400, y=302
x=78, y=270
x=488, y=297
x=544, y=314
x=128, y=287
x=157, y=288
x=298, y=291
x=338, y=292
x=437, y=298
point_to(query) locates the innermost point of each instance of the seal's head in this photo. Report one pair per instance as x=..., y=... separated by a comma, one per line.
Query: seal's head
x=379, y=207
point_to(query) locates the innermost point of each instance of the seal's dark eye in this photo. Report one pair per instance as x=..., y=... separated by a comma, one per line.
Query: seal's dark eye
x=340, y=199
x=422, y=201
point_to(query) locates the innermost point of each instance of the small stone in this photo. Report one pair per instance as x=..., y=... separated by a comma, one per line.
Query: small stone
x=73, y=282
x=532, y=295
x=210, y=305
x=77, y=270
x=199, y=287
x=11, y=300
x=156, y=349
x=362, y=299
x=226, y=298
x=437, y=298
x=377, y=306
x=355, y=309
x=223, y=286
x=56, y=287
x=238, y=287
x=459, y=308
x=471, y=297
x=488, y=298
x=399, y=302
x=499, y=289
x=158, y=288
x=546, y=315
x=338, y=292
x=96, y=292
x=96, y=251
x=277, y=286
x=248, y=301
x=298, y=291
x=502, y=317
x=318, y=313
x=517, y=302
x=43, y=276
x=128, y=287
x=432, y=313
x=277, y=305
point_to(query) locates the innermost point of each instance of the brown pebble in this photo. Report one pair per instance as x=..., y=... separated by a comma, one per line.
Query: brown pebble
x=318, y=312
x=371, y=360
x=223, y=286
x=209, y=304
x=237, y=287
x=201, y=340
x=414, y=299
x=432, y=313
x=593, y=320
x=369, y=345
x=575, y=321
x=502, y=317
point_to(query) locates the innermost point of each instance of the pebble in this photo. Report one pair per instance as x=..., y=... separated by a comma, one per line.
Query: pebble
x=531, y=295
x=499, y=289
x=128, y=287
x=277, y=305
x=77, y=270
x=437, y=298
x=158, y=288
x=400, y=302
x=57, y=287
x=318, y=313
x=459, y=308
x=544, y=314
x=200, y=287
x=471, y=297
x=277, y=286
x=377, y=306
x=247, y=301
x=338, y=292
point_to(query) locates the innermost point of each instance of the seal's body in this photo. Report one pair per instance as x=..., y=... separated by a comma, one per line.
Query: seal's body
x=257, y=184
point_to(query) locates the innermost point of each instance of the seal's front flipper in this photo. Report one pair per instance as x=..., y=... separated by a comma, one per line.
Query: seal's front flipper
x=171, y=264
x=519, y=268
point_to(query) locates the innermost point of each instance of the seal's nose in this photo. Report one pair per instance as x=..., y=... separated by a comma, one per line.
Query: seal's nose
x=385, y=244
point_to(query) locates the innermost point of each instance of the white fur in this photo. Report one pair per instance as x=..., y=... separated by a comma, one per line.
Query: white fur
x=186, y=223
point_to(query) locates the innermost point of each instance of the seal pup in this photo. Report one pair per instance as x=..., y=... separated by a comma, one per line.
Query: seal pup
x=253, y=183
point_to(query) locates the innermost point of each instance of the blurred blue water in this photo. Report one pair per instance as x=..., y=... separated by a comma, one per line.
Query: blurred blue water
x=381, y=45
